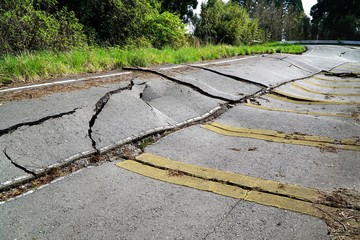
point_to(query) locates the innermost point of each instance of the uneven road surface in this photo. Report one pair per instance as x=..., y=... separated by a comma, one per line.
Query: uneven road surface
x=258, y=147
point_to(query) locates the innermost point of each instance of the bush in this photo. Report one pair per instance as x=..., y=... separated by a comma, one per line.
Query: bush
x=165, y=29
x=25, y=27
x=135, y=23
x=226, y=23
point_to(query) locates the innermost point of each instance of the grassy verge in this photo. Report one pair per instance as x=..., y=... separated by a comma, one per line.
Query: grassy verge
x=34, y=67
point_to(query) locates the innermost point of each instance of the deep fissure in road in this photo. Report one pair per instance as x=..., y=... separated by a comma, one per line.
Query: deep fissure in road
x=329, y=200
x=231, y=76
x=36, y=122
x=99, y=106
x=192, y=86
x=342, y=75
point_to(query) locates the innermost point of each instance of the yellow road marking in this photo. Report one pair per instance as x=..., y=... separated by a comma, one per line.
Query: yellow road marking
x=262, y=191
x=328, y=86
x=302, y=101
x=330, y=80
x=264, y=185
x=314, y=101
x=349, y=66
x=322, y=93
x=343, y=115
x=274, y=136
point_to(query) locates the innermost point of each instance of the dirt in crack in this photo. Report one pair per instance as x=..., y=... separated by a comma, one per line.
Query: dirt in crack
x=342, y=75
x=99, y=106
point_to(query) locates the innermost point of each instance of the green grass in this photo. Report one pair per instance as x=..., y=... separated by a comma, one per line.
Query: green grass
x=38, y=66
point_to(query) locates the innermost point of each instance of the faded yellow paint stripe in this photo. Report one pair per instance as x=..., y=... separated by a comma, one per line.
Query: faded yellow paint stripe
x=329, y=86
x=349, y=67
x=237, y=179
x=323, y=93
x=203, y=179
x=284, y=99
x=188, y=181
x=314, y=101
x=273, y=133
x=331, y=80
x=299, y=112
x=274, y=136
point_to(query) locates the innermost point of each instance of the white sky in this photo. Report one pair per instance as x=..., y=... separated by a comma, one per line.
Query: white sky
x=307, y=4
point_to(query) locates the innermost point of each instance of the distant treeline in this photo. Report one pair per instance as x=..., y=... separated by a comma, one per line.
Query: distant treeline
x=61, y=25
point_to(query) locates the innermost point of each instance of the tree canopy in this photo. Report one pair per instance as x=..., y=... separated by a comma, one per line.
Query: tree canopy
x=182, y=7
x=336, y=19
x=279, y=18
x=226, y=23
x=27, y=25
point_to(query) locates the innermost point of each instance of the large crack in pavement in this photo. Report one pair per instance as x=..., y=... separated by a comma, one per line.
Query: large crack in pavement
x=99, y=106
x=294, y=98
x=328, y=200
x=292, y=64
x=331, y=199
x=18, y=165
x=178, y=172
x=231, y=76
x=342, y=198
x=342, y=75
x=339, y=209
x=36, y=122
x=192, y=86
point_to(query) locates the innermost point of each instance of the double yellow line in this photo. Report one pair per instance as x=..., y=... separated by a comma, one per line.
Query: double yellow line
x=324, y=93
x=304, y=100
x=266, y=192
x=330, y=86
x=334, y=80
x=258, y=190
x=324, y=114
x=274, y=136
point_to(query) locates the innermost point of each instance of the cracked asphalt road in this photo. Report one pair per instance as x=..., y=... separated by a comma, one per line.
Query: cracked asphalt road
x=279, y=159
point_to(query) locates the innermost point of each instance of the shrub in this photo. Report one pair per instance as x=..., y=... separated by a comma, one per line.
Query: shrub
x=226, y=23
x=165, y=29
x=25, y=27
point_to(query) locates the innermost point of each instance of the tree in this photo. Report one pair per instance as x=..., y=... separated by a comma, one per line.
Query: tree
x=280, y=18
x=336, y=19
x=226, y=23
x=185, y=8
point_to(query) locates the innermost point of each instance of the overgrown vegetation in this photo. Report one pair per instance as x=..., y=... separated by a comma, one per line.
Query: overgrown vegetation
x=29, y=67
x=227, y=23
x=61, y=25
x=26, y=26
x=336, y=19
x=279, y=19
x=49, y=38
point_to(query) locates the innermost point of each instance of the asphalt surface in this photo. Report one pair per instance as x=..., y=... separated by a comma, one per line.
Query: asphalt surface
x=285, y=136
